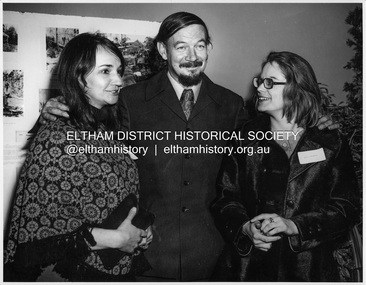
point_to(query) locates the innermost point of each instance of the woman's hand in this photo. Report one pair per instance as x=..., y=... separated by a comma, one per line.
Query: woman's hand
x=273, y=224
x=131, y=236
x=144, y=244
x=260, y=241
x=125, y=238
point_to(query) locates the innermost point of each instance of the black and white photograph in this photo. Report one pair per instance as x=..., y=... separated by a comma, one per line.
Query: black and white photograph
x=183, y=142
x=56, y=39
x=10, y=38
x=137, y=53
x=13, y=89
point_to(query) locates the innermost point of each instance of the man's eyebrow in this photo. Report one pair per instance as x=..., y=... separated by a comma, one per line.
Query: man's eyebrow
x=183, y=42
x=179, y=42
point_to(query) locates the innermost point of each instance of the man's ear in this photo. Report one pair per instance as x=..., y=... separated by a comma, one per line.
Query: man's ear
x=209, y=48
x=162, y=50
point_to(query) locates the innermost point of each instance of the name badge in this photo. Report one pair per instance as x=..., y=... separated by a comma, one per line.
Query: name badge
x=311, y=156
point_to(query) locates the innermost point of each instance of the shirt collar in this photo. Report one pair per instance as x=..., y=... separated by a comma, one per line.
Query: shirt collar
x=179, y=88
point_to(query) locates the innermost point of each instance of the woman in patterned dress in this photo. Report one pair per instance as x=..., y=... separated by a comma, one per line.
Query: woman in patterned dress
x=72, y=181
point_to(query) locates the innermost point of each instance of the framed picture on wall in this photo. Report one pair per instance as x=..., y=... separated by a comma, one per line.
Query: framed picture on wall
x=13, y=103
x=56, y=39
x=10, y=38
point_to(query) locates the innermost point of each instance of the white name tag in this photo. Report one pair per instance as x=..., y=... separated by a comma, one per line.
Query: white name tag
x=311, y=156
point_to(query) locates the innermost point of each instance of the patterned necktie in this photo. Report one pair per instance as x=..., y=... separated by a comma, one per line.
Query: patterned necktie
x=187, y=102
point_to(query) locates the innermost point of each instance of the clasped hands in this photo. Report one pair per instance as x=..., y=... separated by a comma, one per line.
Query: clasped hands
x=126, y=237
x=135, y=237
x=266, y=229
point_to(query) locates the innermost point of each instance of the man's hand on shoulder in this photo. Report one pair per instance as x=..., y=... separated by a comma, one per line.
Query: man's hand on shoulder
x=54, y=107
x=327, y=122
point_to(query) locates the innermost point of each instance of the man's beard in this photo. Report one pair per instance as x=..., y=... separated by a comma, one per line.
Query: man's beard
x=190, y=80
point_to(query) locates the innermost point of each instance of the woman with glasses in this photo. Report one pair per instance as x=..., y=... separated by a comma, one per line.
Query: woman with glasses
x=289, y=206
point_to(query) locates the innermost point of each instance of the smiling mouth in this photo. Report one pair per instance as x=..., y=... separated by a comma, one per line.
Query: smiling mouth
x=192, y=70
x=114, y=92
x=262, y=99
x=191, y=65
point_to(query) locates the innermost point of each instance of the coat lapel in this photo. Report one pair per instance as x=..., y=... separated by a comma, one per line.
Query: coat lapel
x=208, y=95
x=169, y=98
x=312, y=139
x=160, y=86
x=296, y=168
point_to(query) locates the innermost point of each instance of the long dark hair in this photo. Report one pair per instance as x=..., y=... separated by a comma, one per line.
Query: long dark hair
x=76, y=61
x=301, y=94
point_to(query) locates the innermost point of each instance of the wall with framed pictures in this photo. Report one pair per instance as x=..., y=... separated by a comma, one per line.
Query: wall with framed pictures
x=32, y=43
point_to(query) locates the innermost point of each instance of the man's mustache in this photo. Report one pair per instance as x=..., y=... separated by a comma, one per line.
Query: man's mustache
x=191, y=64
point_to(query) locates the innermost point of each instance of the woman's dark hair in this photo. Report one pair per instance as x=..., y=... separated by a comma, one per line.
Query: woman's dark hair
x=176, y=22
x=301, y=94
x=76, y=61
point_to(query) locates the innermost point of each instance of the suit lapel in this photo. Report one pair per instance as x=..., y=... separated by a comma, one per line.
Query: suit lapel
x=160, y=86
x=169, y=98
x=208, y=95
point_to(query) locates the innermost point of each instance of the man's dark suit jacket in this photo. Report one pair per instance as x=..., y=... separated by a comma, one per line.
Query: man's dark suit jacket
x=178, y=188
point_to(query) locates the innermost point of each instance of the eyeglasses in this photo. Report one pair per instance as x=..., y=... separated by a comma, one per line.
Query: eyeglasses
x=268, y=82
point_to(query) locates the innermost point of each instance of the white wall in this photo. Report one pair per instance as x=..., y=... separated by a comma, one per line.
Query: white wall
x=243, y=33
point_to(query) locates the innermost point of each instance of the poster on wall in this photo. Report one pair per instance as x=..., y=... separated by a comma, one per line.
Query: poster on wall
x=137, y=52
x=56, y=39
x=13, y=93
x=10, y=38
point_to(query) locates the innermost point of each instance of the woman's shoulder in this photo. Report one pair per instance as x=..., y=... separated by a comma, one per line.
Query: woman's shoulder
x=331, y=139
x=60, y=124
x=259, y=123
x=54, y=131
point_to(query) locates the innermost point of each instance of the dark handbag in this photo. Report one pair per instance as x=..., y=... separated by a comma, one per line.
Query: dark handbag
x=142, y=220
x=349, y=257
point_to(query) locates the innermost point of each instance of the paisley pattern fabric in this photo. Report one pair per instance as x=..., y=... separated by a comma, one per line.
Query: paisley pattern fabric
x=59, y=193
x=187, y=102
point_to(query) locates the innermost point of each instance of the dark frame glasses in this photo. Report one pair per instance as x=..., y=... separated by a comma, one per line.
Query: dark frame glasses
x=267, y=82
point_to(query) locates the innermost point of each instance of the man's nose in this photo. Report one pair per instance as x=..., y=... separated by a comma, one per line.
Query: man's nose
x=191, y=56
